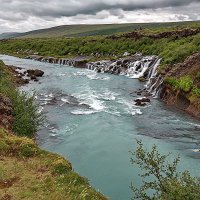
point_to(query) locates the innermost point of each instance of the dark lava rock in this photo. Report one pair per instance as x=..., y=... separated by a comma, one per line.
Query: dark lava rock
x=6, y=118
x=142, y=102
x=36, y=73
x=33, y=77
x=80, y=63
x=26, y=81
x=99, y=70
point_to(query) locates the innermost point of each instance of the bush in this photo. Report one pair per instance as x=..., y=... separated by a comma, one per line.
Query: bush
x=184, y=83
x=167, y=183
x=25, y=110
x=196, y=91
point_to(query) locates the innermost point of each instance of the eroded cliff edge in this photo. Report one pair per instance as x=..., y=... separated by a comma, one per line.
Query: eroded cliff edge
x=181, y=86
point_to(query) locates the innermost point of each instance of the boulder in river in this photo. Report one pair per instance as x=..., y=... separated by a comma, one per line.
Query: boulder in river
x=142, y=101
x=36, y=73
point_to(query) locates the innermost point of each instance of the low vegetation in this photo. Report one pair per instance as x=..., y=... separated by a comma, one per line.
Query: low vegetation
x=92, y=30
x=171, y=49
x=161, y=180
x=27, y=172
x=185, y=84
x=24, y=109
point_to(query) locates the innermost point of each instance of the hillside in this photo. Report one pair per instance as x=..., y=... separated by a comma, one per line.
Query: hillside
x=9, y=35
x=89, y=30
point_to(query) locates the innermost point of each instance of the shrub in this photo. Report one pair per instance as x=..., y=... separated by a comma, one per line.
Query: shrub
x=25, y=110
x=184, y=83
x=196, y=91
x=167, y=183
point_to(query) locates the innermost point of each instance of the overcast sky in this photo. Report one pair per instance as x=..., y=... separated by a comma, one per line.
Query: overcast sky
x=25, y=15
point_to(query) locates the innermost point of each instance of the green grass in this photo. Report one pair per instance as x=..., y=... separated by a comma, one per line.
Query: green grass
x=27, y=172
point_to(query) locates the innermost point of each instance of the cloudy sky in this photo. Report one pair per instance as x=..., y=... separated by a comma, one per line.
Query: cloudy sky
x=25, y=15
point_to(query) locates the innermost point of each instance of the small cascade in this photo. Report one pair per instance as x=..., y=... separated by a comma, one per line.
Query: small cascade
x=144, y=66
x=152, y=73
x=138, y=68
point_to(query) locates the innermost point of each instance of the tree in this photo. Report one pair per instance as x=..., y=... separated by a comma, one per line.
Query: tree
x=166, y=183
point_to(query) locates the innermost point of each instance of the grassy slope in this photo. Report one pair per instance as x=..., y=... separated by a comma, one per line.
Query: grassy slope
x=90, y=30
x=26, y=171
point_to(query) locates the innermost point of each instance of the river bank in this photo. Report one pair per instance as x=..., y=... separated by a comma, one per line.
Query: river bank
x=28, y=172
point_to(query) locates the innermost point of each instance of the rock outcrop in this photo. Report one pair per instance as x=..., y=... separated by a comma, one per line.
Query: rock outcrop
x=6, y=109
x=167, y=34
x=185, y=101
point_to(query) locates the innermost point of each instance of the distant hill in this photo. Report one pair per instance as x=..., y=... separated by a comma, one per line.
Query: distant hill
x=87, y=30
x=9, y=35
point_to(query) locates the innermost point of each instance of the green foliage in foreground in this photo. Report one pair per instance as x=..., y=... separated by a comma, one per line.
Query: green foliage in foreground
x=25, y=111
x=167, y=183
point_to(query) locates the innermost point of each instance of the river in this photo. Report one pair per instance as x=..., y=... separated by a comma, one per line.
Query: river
x=92, y=121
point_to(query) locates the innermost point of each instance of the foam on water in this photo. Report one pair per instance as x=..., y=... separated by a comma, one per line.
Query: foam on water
x=83, y=112
x=65, y=100
x=108, y=95
x=129, y=107
x=89, y=98
x=196, y=150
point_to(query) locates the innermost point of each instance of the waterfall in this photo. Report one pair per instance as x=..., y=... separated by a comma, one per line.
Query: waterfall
x=152, y=73
x=136, y=68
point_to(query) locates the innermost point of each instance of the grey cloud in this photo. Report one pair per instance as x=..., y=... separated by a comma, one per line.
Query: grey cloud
x=24, y=15
x=60, y=8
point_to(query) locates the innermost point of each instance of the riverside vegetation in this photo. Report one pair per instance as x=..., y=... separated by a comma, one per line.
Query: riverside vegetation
x=26, y=171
